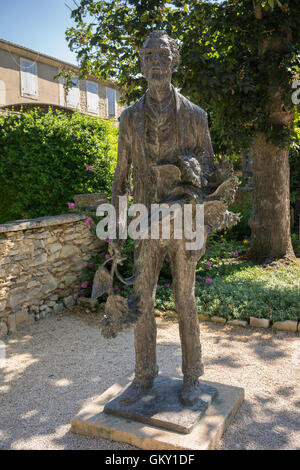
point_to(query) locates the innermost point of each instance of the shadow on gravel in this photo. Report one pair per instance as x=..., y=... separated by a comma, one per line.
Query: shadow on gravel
x=263, y=343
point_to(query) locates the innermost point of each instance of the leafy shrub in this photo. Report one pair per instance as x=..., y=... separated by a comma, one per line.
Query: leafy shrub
x=43, y=161
x=242, y=205
x=295, y=161
x=296, y=243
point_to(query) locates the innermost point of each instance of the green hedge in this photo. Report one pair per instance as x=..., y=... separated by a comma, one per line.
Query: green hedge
x=43, y=160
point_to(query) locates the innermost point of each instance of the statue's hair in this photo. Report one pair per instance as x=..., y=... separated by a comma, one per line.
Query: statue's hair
x=160, y=34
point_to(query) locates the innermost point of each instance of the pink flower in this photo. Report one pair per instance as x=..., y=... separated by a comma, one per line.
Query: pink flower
x=89, y=168
x=89, y=221
x=71, y=205
x=116, y=288
x=208, y=281
x=84, y=285
x=107, y=239
x=166, y=285
x=90, y=265
x=107, y=256
x=208, y=265
x=236, y=253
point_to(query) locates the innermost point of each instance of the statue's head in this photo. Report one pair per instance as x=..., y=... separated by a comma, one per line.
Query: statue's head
x=159, y=57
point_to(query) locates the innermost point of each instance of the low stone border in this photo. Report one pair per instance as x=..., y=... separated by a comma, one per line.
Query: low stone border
x=287, y=325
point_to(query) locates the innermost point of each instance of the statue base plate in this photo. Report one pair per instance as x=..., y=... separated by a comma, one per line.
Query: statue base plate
x=160, y=406
x=205, y=426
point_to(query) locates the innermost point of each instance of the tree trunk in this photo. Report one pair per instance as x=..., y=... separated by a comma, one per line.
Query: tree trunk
x=270, y=221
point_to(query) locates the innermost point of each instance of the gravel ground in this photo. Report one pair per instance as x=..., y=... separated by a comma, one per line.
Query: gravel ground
x=54, y=367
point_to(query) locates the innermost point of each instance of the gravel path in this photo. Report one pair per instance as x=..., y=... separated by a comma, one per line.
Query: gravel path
x=53, y=367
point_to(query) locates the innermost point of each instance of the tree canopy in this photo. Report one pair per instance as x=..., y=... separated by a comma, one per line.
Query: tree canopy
x=225, y=67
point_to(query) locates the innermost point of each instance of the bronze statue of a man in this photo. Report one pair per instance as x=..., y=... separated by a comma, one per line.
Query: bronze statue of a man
x=163, y=127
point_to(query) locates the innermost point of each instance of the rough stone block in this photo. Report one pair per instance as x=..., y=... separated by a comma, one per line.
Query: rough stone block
x=287, y=325
x=41, y=259
x=218, y=320
x=259, y=322
x=242, y=323
x=22, y=317
x=58, y=308
x=68, y=251
x=69, y=301
x=203, y=317
x=55, y=247
x=49, y=284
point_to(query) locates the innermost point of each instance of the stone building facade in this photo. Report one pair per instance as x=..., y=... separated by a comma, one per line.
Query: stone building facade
x=27, y=76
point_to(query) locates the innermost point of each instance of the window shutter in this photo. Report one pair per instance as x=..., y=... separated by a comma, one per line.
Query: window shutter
x=92, y=97
x=73, y=94
x=28, y=78
x=111, y=101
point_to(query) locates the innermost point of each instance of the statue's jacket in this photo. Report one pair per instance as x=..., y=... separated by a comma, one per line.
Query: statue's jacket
x=190, y=132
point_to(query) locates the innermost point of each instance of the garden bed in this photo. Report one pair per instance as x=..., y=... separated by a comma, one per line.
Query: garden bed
x=228, y=285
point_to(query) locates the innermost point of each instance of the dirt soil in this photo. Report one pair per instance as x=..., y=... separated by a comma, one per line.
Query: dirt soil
x=56, y=365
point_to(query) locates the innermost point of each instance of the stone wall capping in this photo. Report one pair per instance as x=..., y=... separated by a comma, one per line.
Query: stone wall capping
x=41, y=222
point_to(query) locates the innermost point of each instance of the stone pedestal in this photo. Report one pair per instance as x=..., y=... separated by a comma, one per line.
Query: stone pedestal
x=155, y=423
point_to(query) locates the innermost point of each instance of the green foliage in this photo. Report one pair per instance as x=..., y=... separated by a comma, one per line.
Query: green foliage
x=243, y=206
x=296, y=243
x=225, y=69
x=44, y=157
x=295, y=161
x=239, y=289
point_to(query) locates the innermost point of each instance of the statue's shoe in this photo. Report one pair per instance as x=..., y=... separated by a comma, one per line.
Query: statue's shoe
x=190, y=392
x=134, y=392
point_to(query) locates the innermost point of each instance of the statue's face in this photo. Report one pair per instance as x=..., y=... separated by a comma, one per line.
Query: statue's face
x=157, y=60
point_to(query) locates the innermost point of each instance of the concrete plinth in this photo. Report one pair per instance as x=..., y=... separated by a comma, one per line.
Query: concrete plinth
x=203, y=435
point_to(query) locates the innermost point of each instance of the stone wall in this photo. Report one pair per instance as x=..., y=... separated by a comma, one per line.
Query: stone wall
x=41, y=261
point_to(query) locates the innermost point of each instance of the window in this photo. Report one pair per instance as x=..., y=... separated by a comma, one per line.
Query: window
x=73, y=94
x=111, y=101
x=28, y=78
x=92, y=97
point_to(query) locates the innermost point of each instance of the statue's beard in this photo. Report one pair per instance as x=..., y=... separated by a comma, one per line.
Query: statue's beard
x=159, y=78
